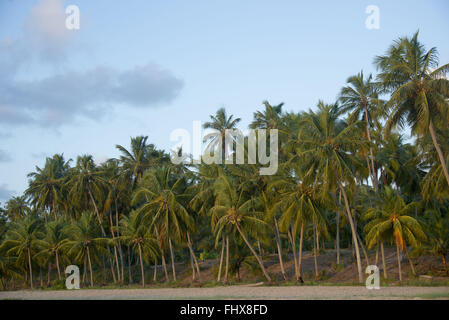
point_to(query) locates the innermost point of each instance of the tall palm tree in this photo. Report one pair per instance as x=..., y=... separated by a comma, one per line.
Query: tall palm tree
x=46, y=183
x=136, y=233
x=270, y=118
x=162, y=205
x=17, y=208
x=54, y=239
x=84, y=241
x=140, y=157
x=22, y=240
x=86, y=183
x=238, y=212
x=361, y=98
x=300, y=203
x=326, y=144
x=391, y=220
x=220, y=123
x=418, y=87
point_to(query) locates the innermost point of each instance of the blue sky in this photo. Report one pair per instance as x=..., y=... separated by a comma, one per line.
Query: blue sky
x=149, y=67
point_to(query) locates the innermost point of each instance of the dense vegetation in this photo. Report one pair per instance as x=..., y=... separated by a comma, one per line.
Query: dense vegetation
x=347, y=177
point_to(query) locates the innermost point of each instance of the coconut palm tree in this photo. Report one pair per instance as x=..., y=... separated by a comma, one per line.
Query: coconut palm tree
x=86, y=183
x=17, y=208
x=161, y=194
x=361, y=98
x=418, y=87
x=391, y=220
x=437, y=227
x=237, y=211
x=46, y=183
x=84, y=242
x=300, y=204
x=22, y=240
x=135, y=233
x=326, y=144
x=140, y=157
x=220, y=124
x=54, y=239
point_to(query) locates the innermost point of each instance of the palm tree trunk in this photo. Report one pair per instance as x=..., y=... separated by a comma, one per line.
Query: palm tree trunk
x=48, y=275
x=221, y=258
x=301, y=237
x=193, y=267
x=278, y=244
x=189, y=242
x=90, y=268
x=337, y=239
x=410, y=261
x=57, y=265
x=142, y=272
x=130, y=276
x=399, y=262
x=172, y=259
x=155, y=271
x=363, y=249
x=315, y=251
x=260, y=248
x=41, y=280
x=164, y=265
x=96, y=212
x=253, y=252
x=384, y=265
x=354, y=232
x=373, y=171
x=440, y=153
x=293, y=243
x=445, y=264
x=117, y=264
x=30, y=268
x=225, y=280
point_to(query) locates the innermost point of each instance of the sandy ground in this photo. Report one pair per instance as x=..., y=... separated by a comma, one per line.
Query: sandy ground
x=239, y=292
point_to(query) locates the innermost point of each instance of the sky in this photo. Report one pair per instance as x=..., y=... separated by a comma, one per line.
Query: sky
x=147, y=67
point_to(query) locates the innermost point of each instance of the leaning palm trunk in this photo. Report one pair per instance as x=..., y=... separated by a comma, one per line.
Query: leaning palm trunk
x=363, y=249
x=141, y=265
x=354, y=232
x=225, y=280
x=399, y=262
x=90, y=268
x=192, y=253
x=221, y=259
x=30, y=268
x=301, y=237
x=410, y=261
x=96, y=212
x=172, y=259
x=384, y=265
x=278, y=244
x=57, y=265
x=440, y=153
x=253, y=252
